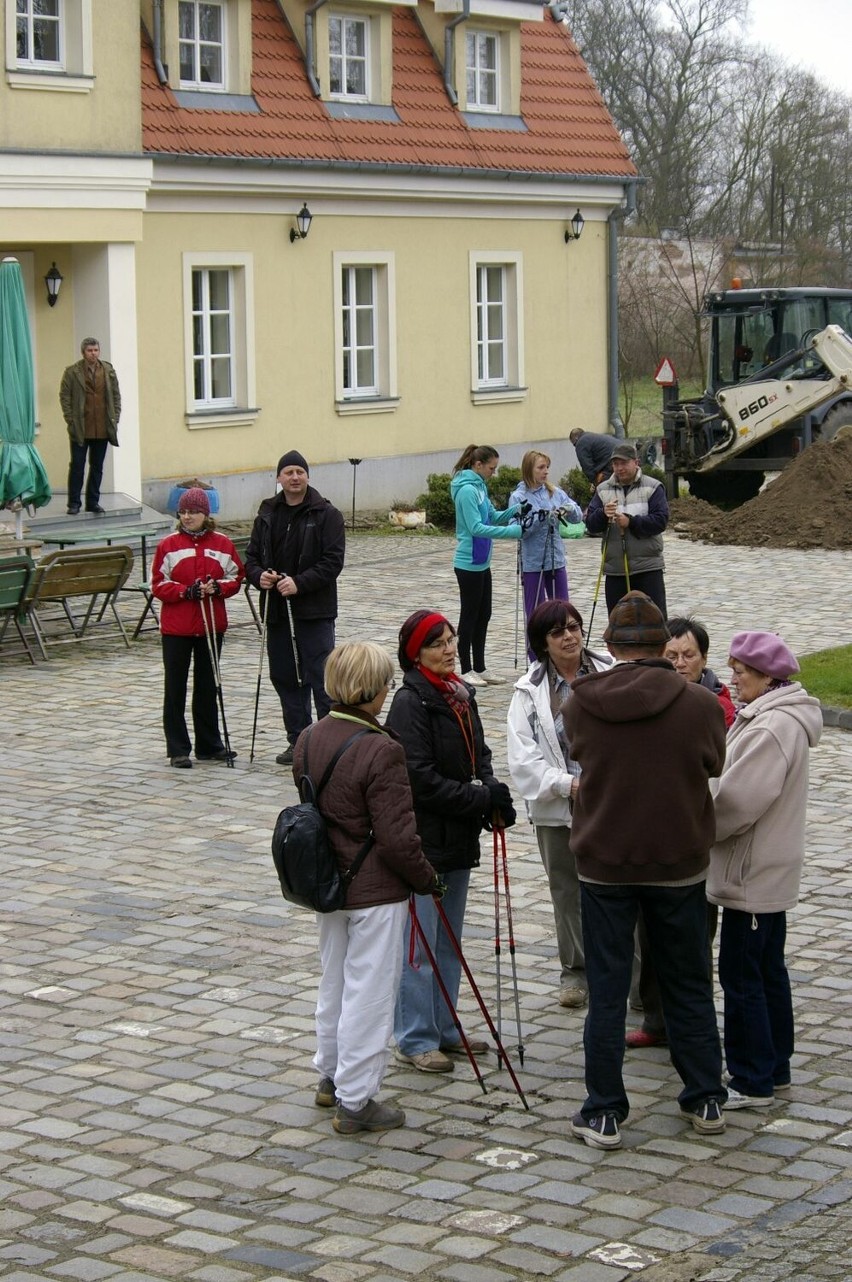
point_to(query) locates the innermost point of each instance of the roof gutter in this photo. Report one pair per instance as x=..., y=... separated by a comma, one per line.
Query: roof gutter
x=616, y=216
x=157, y=42
x=310, y=46
x=449, y=62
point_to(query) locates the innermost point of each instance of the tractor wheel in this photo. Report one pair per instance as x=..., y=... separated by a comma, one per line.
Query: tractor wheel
x=725, y=489
x=837, y=423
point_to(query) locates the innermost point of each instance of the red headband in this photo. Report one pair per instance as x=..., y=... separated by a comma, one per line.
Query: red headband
x=414, y=644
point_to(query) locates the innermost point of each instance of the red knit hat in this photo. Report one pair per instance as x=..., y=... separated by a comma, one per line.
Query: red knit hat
x=194, y=500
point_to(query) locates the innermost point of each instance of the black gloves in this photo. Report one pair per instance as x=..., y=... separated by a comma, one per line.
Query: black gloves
x=525, y=510
x=217, y=589
x=193, y=592
x=500, y=805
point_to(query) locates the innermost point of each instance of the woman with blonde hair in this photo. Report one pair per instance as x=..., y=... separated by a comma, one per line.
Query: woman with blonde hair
x=544, y=570
x=366, y=802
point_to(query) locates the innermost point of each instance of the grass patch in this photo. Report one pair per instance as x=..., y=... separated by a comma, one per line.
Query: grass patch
x=827, y=675
x=646, y=407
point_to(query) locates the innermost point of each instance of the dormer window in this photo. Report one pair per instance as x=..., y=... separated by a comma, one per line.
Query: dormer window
x=483, y=71
x=38, y=33
x=202, y=44
x=348, y=57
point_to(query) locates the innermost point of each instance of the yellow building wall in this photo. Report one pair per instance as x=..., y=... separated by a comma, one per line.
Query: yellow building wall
x=564, y=309
x=107, y=118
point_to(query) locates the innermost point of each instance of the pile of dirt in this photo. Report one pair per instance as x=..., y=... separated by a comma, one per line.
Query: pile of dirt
x=808, y=506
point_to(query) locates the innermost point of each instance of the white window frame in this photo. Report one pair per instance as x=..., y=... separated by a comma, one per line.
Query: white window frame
x=74, y=71
x=239, y=408
x=40, y=64
x=344, y=19
x=479, y=74
x=485, y=387
x=195, y=82
x=382, y=394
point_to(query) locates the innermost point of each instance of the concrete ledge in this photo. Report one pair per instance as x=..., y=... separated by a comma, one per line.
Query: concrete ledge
x=841, y=717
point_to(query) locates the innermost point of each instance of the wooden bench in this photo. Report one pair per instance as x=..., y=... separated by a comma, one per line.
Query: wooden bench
x=91, y=575
x=16, y=574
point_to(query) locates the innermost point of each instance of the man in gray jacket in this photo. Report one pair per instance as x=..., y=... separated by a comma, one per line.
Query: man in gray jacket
x=631, y=511
x=91, y=406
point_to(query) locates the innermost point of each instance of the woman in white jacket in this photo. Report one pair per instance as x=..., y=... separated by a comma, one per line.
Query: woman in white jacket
x=545, y=775
x=756, y=862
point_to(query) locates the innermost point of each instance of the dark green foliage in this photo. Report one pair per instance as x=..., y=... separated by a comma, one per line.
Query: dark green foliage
x=575, y=484
x=439, y=506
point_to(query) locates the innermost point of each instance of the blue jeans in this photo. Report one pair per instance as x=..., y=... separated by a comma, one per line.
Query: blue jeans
x=758, y=1005
x=676, y=920
x=314, y=642
x=422, y=1021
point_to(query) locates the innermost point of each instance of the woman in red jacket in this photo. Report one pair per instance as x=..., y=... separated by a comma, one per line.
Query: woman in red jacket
x=195, y=569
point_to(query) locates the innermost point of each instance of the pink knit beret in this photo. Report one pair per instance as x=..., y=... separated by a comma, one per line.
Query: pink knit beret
x=765, y=652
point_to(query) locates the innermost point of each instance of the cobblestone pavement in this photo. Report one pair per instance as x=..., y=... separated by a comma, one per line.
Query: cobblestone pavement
x=156, y=1004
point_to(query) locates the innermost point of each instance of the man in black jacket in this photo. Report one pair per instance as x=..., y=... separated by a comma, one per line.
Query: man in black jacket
x=295, y=555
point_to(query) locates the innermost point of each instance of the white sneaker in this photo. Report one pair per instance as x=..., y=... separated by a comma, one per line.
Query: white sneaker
x=491, y=679
x=737, y=1100
x=474, y=678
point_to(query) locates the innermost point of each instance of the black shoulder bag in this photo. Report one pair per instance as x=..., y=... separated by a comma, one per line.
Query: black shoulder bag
x=304, y=860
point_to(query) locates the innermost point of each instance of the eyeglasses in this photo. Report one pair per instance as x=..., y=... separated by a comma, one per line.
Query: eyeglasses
x=443, y=643
x=556, y=633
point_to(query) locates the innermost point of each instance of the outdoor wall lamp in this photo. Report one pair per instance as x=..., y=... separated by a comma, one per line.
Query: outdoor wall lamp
x=304, y=218
x=575, y=231
x=53, y=280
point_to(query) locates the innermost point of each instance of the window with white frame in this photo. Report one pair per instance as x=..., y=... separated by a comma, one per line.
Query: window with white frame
x=38, y=33
x=349, y=57
x=483, y=71
x=220, y=371
x=497, y=355
x=365, y=338
x=201, y=41
x=213, y=337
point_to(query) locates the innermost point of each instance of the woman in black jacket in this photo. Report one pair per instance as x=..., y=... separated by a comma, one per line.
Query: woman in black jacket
x=455, y=796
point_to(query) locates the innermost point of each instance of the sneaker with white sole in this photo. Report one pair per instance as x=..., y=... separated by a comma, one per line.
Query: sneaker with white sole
x=736, y=1099
x=598, y=1132
x=426, y=1061
x=707, y=1118
x=572, y=995
x=492, y=679
x=474, y=678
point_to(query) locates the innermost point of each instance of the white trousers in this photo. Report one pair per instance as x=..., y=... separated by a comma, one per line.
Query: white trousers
x=361, y=955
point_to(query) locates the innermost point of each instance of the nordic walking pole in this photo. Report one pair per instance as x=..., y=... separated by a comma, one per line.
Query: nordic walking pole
x=502, y=831
x=418, y=932
x=501, y=1052
x=598, y=584
x=264, y=602
x=624, y=554
x=517, y=598
x=497, y=942
x=209, y=632
x=296, y=663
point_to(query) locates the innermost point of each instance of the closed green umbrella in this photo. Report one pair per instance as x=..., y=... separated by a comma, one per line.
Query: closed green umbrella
x=23, y=480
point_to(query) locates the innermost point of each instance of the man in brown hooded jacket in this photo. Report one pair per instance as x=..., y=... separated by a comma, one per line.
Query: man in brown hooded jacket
x=636, y=849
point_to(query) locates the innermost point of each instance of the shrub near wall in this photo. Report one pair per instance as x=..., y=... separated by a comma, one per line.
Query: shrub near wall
x=440, y=509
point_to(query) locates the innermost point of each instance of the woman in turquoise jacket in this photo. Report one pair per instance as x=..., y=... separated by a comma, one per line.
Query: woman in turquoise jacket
x=478, y=523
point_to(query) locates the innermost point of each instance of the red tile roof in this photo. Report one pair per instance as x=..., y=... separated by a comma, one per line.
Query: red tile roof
x=569, y=130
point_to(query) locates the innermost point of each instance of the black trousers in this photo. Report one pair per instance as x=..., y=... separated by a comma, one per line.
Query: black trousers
x=651, y=583
x=178, y=654
x=314, y=643
x=96, y=451
x=474, y=617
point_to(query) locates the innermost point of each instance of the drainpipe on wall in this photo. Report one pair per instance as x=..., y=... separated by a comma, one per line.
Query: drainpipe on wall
x=159, y=67
x=310, y=54
x=622, y=211
x=449, y=61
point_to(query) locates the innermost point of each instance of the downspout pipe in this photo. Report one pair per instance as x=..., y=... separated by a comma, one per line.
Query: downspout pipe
x=620, y=212
x=449, y=61
x=162, y=73
x=310, y=46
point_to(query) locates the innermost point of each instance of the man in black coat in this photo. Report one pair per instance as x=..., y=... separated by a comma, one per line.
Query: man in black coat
x=295, y=555
x=594, y=454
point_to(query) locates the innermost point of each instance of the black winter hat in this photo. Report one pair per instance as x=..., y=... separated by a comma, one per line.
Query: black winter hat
x=292, y=459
